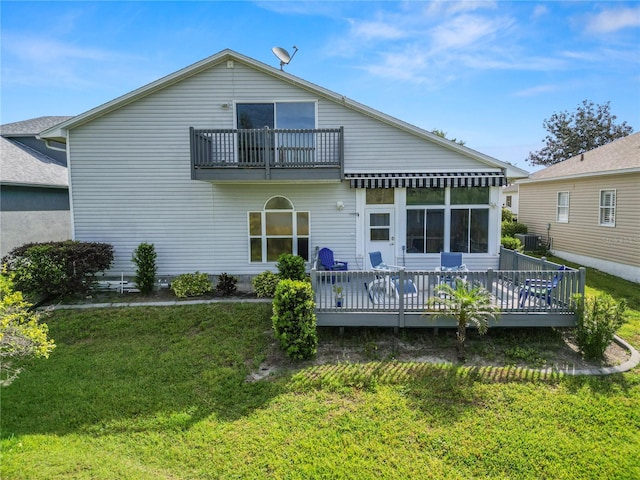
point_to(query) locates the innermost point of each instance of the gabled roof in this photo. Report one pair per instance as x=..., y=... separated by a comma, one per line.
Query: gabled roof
x=58, y=133
x=619, y=156
x=31, y=127
x=22, y=165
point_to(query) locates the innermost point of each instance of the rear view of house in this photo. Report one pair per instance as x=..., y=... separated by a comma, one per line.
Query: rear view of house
x=588, y=207
x=34, y=200
x=229, y=163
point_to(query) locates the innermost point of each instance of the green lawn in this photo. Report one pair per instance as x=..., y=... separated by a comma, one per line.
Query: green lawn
x=147, y=393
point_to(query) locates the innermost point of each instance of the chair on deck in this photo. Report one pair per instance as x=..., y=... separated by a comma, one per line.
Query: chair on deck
x=389, y=284
x=451, y=262
x=325, y=256
x=540, y=289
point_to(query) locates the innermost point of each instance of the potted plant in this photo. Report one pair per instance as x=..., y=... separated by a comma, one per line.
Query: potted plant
x=338, y=293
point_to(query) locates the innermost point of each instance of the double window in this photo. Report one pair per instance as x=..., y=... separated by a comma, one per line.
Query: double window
x=278, y=229
x=608, y=208
x=254, y=141
x=465, y=210
x=562, y=208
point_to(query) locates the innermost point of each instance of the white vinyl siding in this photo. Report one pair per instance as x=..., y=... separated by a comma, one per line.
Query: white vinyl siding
x=608, y=208
x=562, y=207
x=131, y=174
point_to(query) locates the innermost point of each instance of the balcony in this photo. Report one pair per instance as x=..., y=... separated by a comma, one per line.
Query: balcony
x=267, y=154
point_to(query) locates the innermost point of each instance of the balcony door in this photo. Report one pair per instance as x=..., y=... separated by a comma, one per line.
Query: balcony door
x=254, y=143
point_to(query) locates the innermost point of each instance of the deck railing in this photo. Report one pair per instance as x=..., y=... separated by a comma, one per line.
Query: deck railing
x=533, y=291
x=266, y=147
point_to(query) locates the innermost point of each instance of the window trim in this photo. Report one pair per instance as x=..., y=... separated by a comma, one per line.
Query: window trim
x=559, y=218
x=603, y=208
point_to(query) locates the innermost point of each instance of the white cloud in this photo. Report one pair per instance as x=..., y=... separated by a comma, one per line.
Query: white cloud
x=540, y=11
x=467, y=31
x=38, y=61
x=613, y=20
x=377, y=30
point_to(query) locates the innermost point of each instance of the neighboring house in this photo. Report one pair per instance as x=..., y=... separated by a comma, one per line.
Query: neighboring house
x=510, y=198
x=228, y=163
x=34, y=196
x=588, y=207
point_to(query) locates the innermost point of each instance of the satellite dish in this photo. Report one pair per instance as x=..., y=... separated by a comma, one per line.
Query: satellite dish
x=283, y=55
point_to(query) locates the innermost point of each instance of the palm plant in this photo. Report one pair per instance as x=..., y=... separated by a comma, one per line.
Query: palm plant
x=469, y=305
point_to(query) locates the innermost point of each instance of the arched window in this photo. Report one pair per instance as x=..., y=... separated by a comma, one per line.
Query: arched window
x=278, y=229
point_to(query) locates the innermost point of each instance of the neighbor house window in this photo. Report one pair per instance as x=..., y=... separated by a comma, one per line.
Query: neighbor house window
x=278, y=229
x=608, y=208
x=562, y=211
x=508, y=200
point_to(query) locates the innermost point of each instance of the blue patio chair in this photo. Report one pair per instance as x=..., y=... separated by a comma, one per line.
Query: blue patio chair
x=376, y=261
x=389, y=284
x=325, y=256
x=451, y=262
x=540, y=289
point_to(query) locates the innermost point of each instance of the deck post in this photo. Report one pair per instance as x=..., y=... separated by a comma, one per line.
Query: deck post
x=583, y=280
x=401, y=280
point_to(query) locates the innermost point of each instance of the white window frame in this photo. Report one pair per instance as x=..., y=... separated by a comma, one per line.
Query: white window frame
x=604, y=208
x=562, y=210
x=263, y=234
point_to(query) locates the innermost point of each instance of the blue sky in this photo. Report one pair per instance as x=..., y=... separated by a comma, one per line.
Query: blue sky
x=486, y=72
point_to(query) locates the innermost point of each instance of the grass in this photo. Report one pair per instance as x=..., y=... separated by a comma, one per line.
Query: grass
x=152, y=392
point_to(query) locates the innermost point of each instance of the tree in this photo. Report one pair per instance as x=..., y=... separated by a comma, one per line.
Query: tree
x=571, y=134
x=443, y=134
x=469, y=305
x=21, y=333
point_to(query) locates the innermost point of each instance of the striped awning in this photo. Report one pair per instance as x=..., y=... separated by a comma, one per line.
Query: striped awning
x=430, y=180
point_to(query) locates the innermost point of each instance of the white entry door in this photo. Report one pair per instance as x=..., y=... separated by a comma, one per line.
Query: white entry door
x=380, y=235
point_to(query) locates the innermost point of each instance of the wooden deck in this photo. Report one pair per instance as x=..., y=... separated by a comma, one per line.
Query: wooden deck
x=372, y=299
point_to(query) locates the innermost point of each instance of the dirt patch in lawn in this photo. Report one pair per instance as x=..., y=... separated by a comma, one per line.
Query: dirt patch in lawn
x=542, y=348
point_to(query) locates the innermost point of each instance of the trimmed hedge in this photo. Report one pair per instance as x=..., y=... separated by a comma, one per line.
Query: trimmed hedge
x=291, y=267
x=191, y=285
x=56, y=268
x=294, y=319
x=265, y=283
x=144, y=256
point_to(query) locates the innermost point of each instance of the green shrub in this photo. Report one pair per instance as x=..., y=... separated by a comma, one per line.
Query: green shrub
x=294, y=320
x=22, y=335
x=511, y=243
x=509, y=229
x=56, y=268
x=227, y=284
x=145, y=259
x=507, y=215
x=191, y=284
x=291, y=267
x=265, y=283
x=599, y=317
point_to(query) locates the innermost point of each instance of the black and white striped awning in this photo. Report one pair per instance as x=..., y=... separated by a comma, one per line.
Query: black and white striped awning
x=422, y=180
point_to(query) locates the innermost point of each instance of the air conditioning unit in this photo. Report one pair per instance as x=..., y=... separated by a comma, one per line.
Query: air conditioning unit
x=530, y=242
